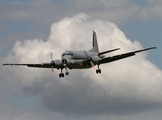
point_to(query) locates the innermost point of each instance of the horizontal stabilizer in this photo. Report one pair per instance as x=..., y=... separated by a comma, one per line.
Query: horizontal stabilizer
x=101, y=53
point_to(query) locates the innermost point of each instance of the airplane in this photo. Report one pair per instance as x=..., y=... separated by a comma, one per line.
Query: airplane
x=83, y=59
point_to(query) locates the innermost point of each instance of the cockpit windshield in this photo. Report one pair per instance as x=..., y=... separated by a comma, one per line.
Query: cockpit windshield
x=67, y=53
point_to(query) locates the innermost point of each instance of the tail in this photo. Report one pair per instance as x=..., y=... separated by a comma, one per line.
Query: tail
x=94, y=44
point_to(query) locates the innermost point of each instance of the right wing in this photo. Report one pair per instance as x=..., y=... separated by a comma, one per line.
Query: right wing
x=44, y=65
x=122, y=56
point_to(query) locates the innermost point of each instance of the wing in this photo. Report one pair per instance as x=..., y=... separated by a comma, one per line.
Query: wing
x=44, y=65
x=122, y=56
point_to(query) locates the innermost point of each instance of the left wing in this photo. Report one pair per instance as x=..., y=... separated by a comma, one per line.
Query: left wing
x=122, y=56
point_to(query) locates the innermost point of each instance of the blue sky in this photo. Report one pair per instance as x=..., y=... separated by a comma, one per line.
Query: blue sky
x=148, y=34
x=140, y=2
x=26, y=93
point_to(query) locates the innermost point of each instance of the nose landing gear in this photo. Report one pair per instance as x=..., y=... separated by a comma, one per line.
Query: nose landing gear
x=62, y=74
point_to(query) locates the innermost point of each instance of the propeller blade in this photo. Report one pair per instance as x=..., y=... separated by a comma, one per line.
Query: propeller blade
x=86, y=53
x=92, y=63
x=90, y=60
x=51, y=54
x=52, y=70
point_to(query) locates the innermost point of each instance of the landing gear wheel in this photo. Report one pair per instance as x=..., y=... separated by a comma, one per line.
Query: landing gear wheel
x=67, y=73
x=98, y=71
x=61, y=75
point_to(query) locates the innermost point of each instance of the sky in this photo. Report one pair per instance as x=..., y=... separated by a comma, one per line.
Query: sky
x=127, y=89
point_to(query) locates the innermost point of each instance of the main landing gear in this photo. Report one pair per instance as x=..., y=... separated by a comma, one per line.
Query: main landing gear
x=62, y=74
x=98, y=71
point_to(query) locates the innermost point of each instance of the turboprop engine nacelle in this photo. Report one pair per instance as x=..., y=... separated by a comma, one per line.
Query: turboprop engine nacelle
x=56, y=62
x=95, y=59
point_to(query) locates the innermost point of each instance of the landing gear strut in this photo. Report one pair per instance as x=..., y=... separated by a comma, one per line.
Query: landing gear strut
x=98, y=70
x=67, y=73
x=61, y=74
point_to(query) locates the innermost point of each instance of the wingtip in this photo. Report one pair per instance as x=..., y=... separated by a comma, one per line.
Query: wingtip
x=152, y=48
x=8, y=64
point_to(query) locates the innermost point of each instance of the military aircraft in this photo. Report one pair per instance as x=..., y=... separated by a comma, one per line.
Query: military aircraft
x=82, y=59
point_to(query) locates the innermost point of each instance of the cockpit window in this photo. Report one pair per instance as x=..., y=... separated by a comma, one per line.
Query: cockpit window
x=69, y=53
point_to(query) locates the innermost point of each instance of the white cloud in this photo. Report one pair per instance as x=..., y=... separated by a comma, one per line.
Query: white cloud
x=125, y=87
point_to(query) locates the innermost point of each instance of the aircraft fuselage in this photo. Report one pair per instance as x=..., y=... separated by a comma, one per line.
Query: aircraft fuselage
x=74, y=59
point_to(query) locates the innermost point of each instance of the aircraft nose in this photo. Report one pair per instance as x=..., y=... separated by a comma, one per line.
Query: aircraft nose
x=64, y=61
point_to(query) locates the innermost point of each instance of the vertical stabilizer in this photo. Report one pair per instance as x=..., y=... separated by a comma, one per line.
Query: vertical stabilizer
x=94, y=43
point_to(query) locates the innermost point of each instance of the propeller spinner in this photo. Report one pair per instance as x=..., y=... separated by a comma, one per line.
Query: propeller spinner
x=52, y=62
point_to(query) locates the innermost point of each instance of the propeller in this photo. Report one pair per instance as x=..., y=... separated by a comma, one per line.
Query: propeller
x=52, y=62
x=89, y=58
